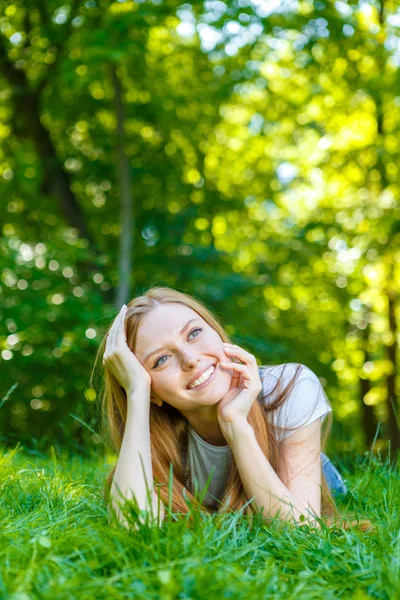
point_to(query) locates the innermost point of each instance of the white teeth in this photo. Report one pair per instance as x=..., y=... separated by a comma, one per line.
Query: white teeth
x=202, y=378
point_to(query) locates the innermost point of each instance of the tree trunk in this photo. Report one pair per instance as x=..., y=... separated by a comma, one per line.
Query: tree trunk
x=125, y=185
x=368, y=416
x=27, y=123
x=392, y=403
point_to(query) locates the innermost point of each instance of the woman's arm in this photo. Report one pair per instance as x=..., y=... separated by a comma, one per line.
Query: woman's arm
x=129, y=476
x=300, y=465
x=133, y=475
x=259, y=479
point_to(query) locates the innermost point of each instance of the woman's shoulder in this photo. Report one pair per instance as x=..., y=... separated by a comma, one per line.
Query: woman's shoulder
x=271, y=374
x=301, y=405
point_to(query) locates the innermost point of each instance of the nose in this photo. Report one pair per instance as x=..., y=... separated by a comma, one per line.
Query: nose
x=189, y=360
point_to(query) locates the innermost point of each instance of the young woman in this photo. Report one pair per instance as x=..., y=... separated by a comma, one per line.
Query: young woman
x=178, y=392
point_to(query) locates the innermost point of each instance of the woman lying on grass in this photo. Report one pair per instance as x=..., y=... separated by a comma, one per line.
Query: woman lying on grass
x=177, y=392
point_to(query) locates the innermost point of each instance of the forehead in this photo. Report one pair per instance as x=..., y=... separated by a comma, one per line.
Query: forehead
x=160, y=324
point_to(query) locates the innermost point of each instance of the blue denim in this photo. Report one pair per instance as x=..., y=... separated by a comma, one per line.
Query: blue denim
x=333, y=477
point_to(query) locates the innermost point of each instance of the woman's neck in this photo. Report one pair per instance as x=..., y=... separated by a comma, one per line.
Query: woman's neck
x=205, y=424
x=211, y=435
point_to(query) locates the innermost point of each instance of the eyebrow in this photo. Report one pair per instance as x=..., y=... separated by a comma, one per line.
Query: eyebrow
x=181, y=332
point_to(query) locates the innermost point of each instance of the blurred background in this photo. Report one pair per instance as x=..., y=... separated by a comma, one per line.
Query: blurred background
x=246, y=152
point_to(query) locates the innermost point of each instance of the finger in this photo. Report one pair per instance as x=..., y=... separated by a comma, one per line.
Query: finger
x=234, y=358
x=233, y=354
x=237, y=351
x=236, y=377
x=111, y=336
x=110, y=343
x=113, y=333
x=232, y=366
x=235, y=381
x=120, y=334
x=241, y=372
x=235, y=366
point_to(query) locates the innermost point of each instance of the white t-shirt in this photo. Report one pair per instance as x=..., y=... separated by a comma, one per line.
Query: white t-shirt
x=306, y=402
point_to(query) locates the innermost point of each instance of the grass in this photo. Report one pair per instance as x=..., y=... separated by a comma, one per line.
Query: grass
x=56, y=542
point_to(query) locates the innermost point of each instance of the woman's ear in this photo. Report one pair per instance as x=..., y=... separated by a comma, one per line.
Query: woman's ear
x=155, y=401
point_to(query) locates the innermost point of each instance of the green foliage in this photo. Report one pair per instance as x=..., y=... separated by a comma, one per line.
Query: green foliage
x=265, y=181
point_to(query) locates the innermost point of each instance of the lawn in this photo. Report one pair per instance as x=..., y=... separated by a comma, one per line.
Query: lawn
x=56, y=542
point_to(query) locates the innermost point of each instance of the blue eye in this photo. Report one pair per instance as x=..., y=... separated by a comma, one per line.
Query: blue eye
x=196, y=329
x=158, y=361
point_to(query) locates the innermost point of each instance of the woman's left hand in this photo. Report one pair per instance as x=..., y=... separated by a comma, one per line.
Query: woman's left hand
x=246, y=385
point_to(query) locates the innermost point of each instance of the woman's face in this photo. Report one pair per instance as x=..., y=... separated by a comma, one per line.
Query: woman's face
x=174, y=344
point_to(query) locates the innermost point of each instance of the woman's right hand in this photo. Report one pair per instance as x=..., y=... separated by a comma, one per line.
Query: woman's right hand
x=119, y=359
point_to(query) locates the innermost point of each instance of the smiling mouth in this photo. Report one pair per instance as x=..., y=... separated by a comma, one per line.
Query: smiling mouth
x=209, y=373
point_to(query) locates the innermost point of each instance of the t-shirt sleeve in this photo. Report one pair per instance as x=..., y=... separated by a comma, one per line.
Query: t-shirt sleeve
x=305, y=403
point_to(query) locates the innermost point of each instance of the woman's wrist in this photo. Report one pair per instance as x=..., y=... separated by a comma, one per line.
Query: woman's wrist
x=138, y=396
x=234, y=430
